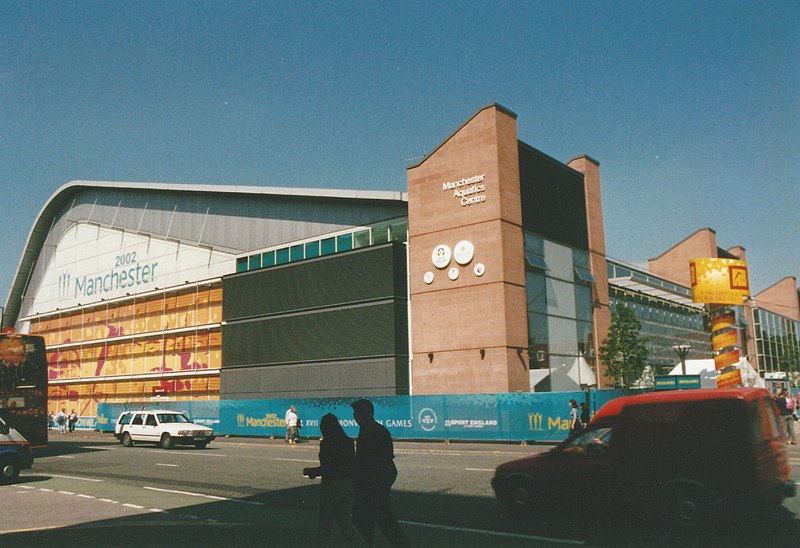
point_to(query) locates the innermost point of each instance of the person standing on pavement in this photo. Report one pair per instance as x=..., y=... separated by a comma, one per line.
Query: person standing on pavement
x=288, y=413
x=336, y=455
x=71, y=420
x=786, y=409
x=61, y=421
x=585, y=415
x=374, y=472
x=574, y=418
x=292, y=422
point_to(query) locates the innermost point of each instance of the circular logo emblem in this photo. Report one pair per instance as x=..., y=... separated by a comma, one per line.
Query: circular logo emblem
x=428, y=277
x=463, y=252
x=427, y=419
x=479, y=269
x=453, y=273
x=441, y=256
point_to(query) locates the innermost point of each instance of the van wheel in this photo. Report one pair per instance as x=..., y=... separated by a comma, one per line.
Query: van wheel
x=686, y=505
x=9, y=471
x=127, y=441
x=167, y=442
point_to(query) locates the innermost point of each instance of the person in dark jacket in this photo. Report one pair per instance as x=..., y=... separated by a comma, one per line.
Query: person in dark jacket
x=374, y=473
x=336, y=454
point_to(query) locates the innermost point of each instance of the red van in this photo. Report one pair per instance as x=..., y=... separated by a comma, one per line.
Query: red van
x=684, y=456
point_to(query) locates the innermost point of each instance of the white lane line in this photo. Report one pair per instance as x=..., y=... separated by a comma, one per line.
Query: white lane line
x=163, y=464
x=86, y=496
x=66, y=456
x=188, y=453
x=109, y=500
x=65, y=477
x=295, y=460
x=480, y=469
x=66, y=492
x=129, y=505
x=495, y=533
x=202, y=495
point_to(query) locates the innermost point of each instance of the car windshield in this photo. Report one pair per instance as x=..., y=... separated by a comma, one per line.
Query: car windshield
x=172, y=417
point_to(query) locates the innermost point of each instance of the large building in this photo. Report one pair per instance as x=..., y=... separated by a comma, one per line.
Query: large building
x=489, y=275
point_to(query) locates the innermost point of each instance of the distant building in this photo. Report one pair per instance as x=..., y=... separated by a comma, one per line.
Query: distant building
x=489, y=275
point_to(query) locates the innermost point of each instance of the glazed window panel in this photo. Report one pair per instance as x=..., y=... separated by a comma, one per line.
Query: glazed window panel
x=154, y=355
x=203, y=303
x=186, y=309
x=139, y=318
x=87, y=333
x=215, y=350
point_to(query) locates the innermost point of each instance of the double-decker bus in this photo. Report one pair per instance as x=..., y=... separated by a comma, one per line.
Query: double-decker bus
x=23, y=386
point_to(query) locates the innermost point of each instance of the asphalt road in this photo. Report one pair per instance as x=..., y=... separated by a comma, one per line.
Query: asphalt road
x=86, y=489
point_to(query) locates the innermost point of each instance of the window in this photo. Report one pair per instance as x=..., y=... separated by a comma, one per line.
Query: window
x=137, y=420
x=399, y=232
x=312, y=249
x=282, y=256
x=150, y=421
x=380, y=234
x=254, y=261
x=328, y=246
x=296, y=252
x=268, y=259
x=361, y=239
x=535, y=262
x=344, y=242
x=241, y=264
x=584, y=275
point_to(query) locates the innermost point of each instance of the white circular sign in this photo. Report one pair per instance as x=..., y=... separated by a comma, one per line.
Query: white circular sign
x=452, y=273
x=441, y=256
x=463, y=252
x=479, y=269
x=428, y=277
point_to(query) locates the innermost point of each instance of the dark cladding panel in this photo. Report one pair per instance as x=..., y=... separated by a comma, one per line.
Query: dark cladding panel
x=342, y=333
x=355, y=276
x=553, y=199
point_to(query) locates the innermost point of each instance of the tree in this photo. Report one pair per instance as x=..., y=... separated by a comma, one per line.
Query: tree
x=624, y=352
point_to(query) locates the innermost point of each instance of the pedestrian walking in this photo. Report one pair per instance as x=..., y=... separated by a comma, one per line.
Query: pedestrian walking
x=785, y=407
x=374, y=472
x=71, y=420
x=286, y=419
x=574, y=418
x=336, y=455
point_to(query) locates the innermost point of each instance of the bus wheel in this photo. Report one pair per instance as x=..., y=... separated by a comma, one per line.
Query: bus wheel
x=9, y=471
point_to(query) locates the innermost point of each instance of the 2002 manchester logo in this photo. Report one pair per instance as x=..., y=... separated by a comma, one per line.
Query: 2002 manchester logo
x=427, y=419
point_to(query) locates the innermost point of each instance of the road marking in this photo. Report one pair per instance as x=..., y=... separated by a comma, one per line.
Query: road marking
x=202, y=495
x=295, y=460
x=65, y=477
x=109, y=500
x=66, y=492
x=495, y=533
x=86, y=496
x=162, y=464
x=480, y=469
x=129, y=505
x=66, y=456
x=188, y=453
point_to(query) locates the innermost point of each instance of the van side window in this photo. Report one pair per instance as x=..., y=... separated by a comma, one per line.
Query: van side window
x=764, y=421
x=137, y=420
x=151, y=420
x=125, y=419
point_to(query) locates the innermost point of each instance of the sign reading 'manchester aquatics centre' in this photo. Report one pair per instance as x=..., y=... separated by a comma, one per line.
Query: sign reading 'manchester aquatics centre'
x=91, y=263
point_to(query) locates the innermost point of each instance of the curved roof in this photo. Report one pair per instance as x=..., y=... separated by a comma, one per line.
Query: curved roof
x=63, y=198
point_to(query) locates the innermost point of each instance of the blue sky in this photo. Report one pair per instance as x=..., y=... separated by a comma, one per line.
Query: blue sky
x=691, y=108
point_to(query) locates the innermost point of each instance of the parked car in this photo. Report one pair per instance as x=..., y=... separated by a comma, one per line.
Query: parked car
x=164, y=428
x=680, y=456
x=15, y=453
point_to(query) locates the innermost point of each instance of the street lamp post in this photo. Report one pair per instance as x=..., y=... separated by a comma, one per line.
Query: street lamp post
x=682, y=350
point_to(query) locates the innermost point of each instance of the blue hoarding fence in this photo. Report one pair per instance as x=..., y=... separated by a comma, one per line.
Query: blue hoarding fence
x=490, y=417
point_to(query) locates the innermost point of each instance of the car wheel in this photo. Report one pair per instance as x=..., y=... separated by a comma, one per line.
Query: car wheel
x=167, y=442
x=127, y=441
x=9, y=471
x=200, y=444
x=519, y=493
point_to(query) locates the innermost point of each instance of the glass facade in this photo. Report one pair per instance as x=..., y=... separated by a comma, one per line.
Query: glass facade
x=665, y=322
x=777, y=342
x=395, y=230
x=560, y=311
